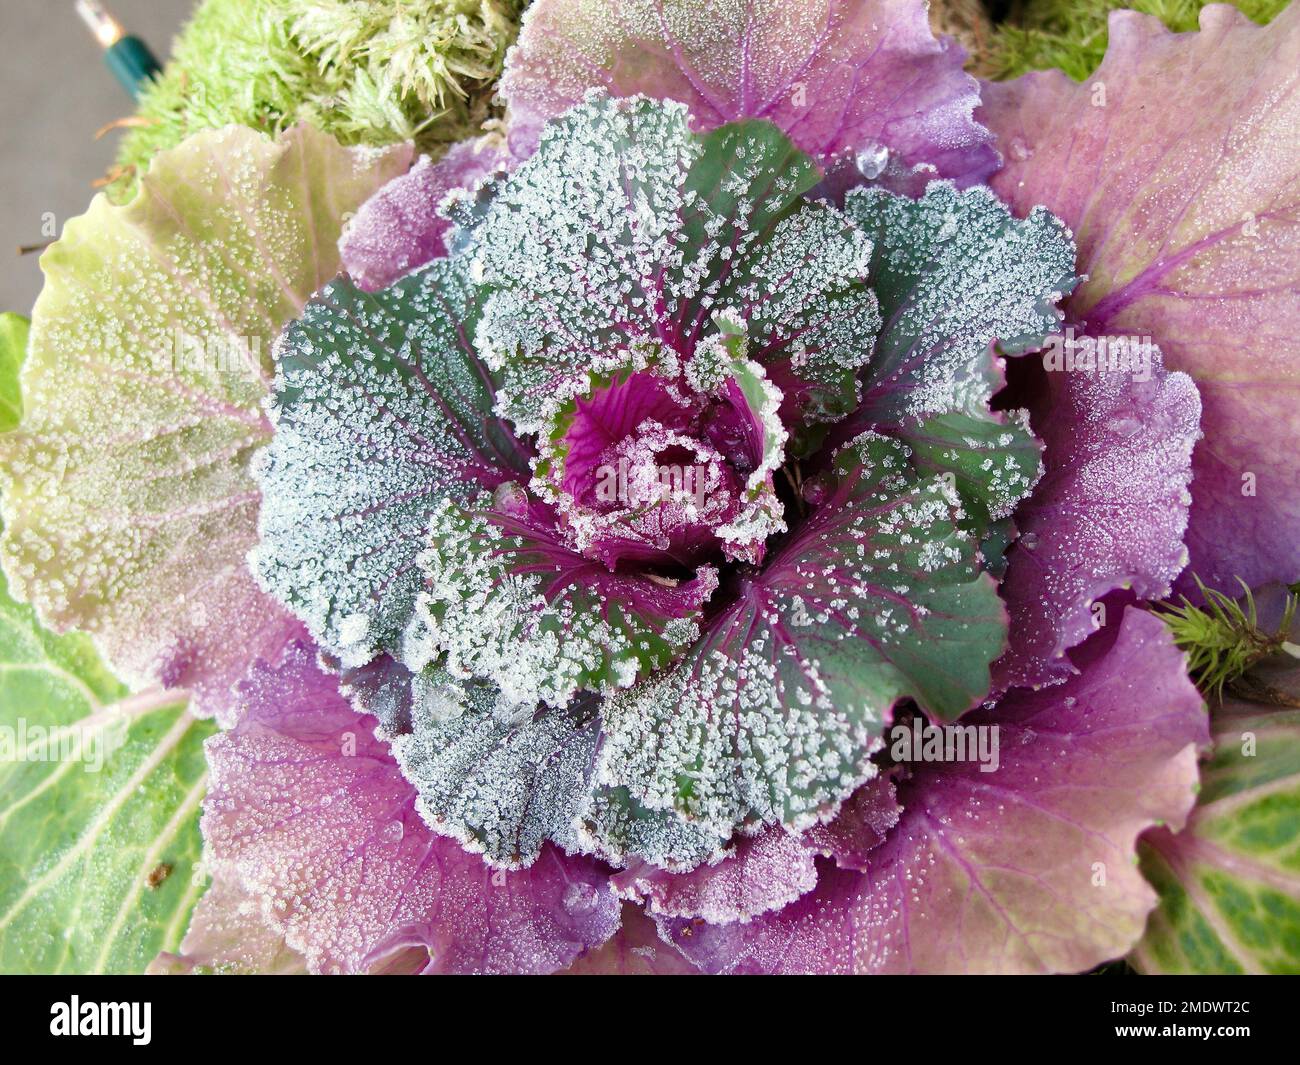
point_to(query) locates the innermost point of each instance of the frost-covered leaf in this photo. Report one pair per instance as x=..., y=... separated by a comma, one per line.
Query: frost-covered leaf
x=381, y=410
x=956, y=276
x=1229, y=882
x=128, y=505
x=955, y=273
x=310, y=814
x=619, y=829
x=1028, y=868
x=505, y=599
x=858, y=79
x=498, y=777
x=1178, y=168
x=625, y=232
x=401, y=227
x=861, y=825
x=993, y=460
x=768, y=870
x=773, y=714
x=1109, y=513
x=764, y=873
x=99, y=808
x=13, y=350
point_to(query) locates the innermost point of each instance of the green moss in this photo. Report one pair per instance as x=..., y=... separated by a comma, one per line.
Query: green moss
x=1071, y=34
x=367, y=71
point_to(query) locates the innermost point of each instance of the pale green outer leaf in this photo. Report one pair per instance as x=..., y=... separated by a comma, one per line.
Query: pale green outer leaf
x=1229, y=883
x=128, y=504
x=99, y=867
x=13, y=349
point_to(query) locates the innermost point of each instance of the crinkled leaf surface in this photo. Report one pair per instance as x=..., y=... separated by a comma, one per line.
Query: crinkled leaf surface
x=768, y=870
x=1229, y=882
x=99, y=808
x=855, y=78
x=1029, y=868
x=764, y=873
x=955, y=272
x=128, y=505
x=774, y=712
x=626, y=232
x=500, y=778
x=1178, y=168
x=958, y=276
x=381, y=410
x=401, y=227
x=505, y=599
x=1109, y=513
x=635, y=950
x=310, y=814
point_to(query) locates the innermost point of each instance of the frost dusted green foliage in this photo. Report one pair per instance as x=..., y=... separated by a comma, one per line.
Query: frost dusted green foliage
x=500, y=777
x=664, y=228
x=367, y=71
x=773, y=715
x=1071, y=34
x=371, y=491
x=644, y=673
x=933, y=373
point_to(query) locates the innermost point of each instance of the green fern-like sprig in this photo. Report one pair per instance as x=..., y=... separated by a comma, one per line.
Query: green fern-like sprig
x=1223, y=639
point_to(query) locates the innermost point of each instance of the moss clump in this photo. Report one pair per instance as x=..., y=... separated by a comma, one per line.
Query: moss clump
x=1071, y=34
x=367, y=71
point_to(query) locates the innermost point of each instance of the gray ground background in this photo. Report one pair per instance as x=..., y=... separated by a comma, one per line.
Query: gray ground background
x=54, y=94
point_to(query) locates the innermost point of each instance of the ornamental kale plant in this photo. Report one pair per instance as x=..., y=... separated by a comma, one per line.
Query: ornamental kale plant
x=650, y=539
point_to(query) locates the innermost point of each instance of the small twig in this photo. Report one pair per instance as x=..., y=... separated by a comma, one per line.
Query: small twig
x=113, y=175
x=122, y=123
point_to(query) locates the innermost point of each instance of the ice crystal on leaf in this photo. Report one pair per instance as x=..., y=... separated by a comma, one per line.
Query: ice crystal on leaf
x=500, y=777
x=958, y=278
x=507, y=600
